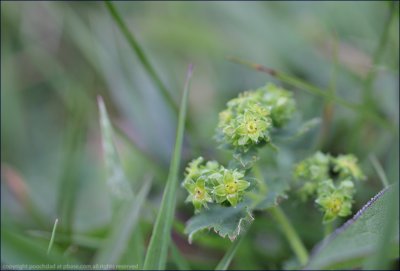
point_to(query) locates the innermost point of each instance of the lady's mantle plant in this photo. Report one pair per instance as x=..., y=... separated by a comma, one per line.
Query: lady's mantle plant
x=248, y=123
x=243, y=126
x=330, y=180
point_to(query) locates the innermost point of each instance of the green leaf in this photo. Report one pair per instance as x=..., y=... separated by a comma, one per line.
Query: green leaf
x=227, y=259
x=156, y=256
x=269, y=191
x=226, y=221
x=383, y=255
x=356, y=240
x=244, y=160
x=117, y=182
x=117, y=241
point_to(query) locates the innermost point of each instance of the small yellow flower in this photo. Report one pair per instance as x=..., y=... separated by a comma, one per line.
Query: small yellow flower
x=252, y=129
x=198, y=194
x=334, y=205
x=232, y=187
x=347, y=167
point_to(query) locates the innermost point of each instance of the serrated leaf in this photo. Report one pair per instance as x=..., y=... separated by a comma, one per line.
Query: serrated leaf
x=226, y=221
x=357, y=238
x=118, y=185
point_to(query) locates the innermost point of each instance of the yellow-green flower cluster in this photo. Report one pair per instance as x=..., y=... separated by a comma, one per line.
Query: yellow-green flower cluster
x=281, y=104
x=248, y=119
x=213, y=183
x=331, y=181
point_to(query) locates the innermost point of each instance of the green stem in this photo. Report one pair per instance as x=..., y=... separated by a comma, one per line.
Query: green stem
x=379, y=170
x=329, y=96
x=291, y=234
x=227, y=259
x=286, y=226
x=379, y=52
x=328, y=228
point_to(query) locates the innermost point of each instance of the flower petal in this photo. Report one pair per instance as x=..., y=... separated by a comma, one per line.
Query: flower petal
x=242, y=185
x=200, y=183
x=190, y=186
x=233, y=199
x=220, y=190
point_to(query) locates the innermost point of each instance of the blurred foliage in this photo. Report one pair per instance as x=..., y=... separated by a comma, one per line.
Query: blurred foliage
x=57, y=57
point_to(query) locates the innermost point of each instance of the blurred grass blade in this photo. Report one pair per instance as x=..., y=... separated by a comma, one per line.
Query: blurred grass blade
x=62, y=238
x=379, y=170
x=72, y=162
x=156, y=256
x=328, y=95
x=17, y=248
x=379, y=52
x=53, y=233
x=141, y=55
x=179, y=260
x=116, y=181
x=117, y=241
x=227, y=259
x=135, y=248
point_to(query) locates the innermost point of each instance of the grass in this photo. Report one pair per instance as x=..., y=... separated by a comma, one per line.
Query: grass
x=141, y=55
x=156, y=256
x=53, y=233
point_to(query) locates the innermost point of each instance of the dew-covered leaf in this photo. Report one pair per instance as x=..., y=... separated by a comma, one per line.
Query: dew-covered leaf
x=357, y=239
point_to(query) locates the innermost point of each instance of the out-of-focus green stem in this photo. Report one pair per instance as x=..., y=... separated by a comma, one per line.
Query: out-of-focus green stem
x=291, y=234
x=329, y=96
x=141, y=55
x=284, y=223
x=379, y=170
x=328, y=228
x=379, y=52
x=227, y=259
